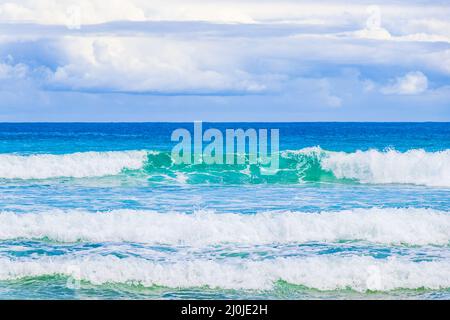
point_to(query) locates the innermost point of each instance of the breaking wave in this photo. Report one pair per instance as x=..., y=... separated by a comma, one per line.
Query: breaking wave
x=387, y=226
x=306, y=165
x=411, y=167
x=76, y=165
x=322, y=273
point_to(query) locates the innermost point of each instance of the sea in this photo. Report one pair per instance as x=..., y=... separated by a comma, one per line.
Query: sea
x=101, y=211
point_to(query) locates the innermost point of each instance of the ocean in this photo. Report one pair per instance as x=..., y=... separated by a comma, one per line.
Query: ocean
x=100, y=211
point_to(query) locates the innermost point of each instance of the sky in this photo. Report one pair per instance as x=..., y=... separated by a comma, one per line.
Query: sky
x=227, y=60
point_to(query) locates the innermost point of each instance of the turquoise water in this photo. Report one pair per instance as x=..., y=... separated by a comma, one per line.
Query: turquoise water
x=100, y=211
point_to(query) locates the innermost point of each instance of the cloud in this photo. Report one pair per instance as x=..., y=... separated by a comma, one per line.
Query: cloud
x=411, y=83
x=286, y=57
x=439, y=60
x=150, y=65
x=332, y=13
x=11, y=72
x=198, y=63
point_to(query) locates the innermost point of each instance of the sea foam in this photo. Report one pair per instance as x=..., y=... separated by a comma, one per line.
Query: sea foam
x=387, y=226
x=411, y=167
x=77, y=165
x=322, y=273
x=305, y=165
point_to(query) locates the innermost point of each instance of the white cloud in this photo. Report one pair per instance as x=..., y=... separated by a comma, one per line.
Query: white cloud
x=61, y=11
x=167, y=62
x=406, y=30
x=403, y=17
x=197, y=64
x=145, y=64
x=411, y=83
x=439, y=60
x=334, y=101
x=373, y=29
x=17, y=71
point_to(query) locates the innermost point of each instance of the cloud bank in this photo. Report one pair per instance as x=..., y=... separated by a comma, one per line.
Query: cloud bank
x=216, y=60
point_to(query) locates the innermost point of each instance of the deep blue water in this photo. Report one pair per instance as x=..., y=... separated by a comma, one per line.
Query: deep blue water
x=78, y=137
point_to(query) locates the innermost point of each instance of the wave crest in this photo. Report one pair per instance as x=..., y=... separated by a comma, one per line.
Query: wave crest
x=387, y=226
x=322, y=273
x=76, y=165
x=317, y=165
x=306, y=165
x=411, y=167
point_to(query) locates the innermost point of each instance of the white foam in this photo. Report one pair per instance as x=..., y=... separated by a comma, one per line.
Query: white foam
x=372, y=166
x=387, y=226
x=323, y=273
x=77, y=165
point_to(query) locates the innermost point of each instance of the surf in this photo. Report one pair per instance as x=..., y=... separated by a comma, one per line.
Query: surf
x=361, y=274
x=407, y=226
x=415, y=167
x=75, y=165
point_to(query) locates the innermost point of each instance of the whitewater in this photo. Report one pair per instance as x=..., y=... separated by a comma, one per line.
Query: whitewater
x=388, y=226
x=322, y=273
x=415, y=166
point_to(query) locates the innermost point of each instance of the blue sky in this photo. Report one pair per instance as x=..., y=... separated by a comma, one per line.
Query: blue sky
x=248, y=60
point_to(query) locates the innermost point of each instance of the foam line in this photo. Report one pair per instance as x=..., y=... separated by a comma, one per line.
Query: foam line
x=322, y=273
x=77, y=165
x=409, y=226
